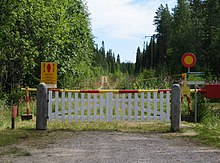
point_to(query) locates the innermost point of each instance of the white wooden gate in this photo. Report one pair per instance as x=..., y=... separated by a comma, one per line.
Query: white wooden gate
x=109, y=105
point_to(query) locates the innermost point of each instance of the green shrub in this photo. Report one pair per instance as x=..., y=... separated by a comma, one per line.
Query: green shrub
x=15, y=96
x=204, y=109
x=148, y=80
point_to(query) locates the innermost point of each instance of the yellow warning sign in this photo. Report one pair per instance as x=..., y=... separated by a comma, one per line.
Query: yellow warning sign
x=49, y=73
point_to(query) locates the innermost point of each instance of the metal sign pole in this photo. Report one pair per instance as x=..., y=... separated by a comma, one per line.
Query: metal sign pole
x=195, y=105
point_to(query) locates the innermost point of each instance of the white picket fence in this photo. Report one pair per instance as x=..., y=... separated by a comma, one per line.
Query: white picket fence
x=108, y=106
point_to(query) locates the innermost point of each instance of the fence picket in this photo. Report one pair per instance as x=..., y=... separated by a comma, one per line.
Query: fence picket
x=123, y=107
x=168, y=106
x=69, y=106
x=88, y=107
x=148, y=106
x=136, y=107
x=101, y=108
x=161, y=107
x=155, y=105
x=142, y=107
x=95, y=107
x=50, y=112
x=57, y=106
x=82, y=107
x=63, y=106
x=129, y=107
x=76, y=104
x=111, y=105
x=117, y=107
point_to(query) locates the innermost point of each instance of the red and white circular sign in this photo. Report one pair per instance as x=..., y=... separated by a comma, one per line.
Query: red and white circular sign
x=188, y=60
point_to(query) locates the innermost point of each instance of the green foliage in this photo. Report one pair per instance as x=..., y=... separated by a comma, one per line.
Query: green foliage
x=205, y=111
x=15, y=96
x=124, y=81
x=209, y=116
x=147, y=80
x=33, y=31
x=4, y=113
x=138, y=64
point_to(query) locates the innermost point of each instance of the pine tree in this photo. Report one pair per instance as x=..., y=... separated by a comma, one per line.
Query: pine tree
x=212, y=36
x=182, y=35
x=138, y=63
x=163, y=22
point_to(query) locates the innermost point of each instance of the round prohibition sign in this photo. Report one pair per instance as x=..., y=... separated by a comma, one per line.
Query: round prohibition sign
x=188, y=60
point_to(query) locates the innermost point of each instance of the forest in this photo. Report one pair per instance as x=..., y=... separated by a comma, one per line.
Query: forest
x=35, y=31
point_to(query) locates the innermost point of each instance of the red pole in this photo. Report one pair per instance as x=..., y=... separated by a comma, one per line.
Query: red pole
x=27, y=100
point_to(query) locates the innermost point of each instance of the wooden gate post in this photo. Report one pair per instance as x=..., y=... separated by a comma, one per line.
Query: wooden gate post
x=175, y=108
x=41, y=113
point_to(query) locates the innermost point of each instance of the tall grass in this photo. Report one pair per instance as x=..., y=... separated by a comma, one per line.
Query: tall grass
x=209, y=128
x=5, y=114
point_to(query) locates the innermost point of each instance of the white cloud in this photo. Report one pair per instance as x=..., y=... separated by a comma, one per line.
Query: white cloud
x=120, y=18
x=124, y=19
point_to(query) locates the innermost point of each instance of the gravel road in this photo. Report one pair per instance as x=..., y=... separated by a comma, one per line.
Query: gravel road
x=115, y=147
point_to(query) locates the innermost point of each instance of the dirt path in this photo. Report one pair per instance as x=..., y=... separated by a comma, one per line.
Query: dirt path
x=113, y=147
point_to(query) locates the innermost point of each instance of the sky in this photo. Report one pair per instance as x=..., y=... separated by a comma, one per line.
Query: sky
x=123, y=24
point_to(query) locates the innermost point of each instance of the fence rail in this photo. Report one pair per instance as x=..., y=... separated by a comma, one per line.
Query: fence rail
x=109, y=105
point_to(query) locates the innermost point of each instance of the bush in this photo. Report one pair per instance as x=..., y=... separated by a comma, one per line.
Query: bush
x=15, y=95
x=3, y=103
x=147, y=80
x=205, y=112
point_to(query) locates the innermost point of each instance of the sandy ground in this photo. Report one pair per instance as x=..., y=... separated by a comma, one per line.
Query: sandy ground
x=111, y=147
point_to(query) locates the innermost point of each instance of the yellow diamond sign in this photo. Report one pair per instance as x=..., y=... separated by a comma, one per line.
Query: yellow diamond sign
x=49, y=73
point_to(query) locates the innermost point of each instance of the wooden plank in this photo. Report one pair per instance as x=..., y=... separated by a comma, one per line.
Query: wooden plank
x=95, y=108
x=136, y=107
x=88, y=107
x=111, y=105
x=63, y=106
x=161, y=107
x=117, y=107
x=50, y=106
x=69, y=106
x=76, y=106
x=142, y=106
x=107, y=107
x=82, y=107
x=123, y=107
x=148, y=106
x=168, y=106
x=56, y=106
x=155, y=105
x=129, y=107
x=102, y=103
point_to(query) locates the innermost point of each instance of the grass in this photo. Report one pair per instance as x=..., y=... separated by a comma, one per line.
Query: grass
x=206, y=133
x=209, y=130
x=110, y=126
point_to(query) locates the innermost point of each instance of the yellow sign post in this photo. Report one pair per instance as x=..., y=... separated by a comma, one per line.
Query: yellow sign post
x=49, y=74
x=185, y=91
